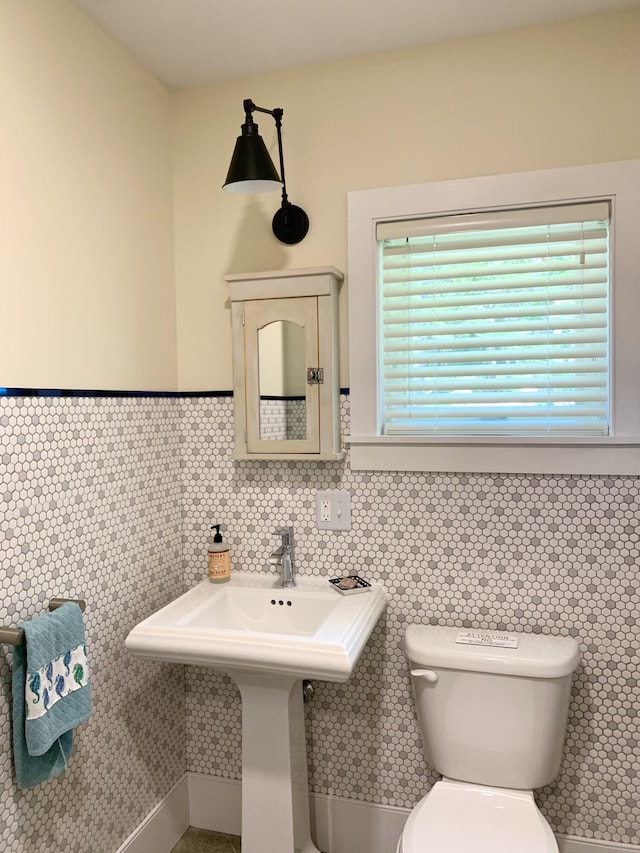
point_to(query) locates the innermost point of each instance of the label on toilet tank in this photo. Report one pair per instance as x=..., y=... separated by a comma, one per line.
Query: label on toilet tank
x=475, y=638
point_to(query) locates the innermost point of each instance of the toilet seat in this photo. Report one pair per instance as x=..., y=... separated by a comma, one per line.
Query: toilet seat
x=458, y=817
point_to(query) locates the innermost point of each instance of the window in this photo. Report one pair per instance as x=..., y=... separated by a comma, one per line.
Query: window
x=493, y=323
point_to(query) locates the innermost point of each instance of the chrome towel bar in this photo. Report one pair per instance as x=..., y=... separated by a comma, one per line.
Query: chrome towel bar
x=15, y=636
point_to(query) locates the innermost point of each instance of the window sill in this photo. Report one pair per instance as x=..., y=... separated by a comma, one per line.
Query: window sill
x=485, y=455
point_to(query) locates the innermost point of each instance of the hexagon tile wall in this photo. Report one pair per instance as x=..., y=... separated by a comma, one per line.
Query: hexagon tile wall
x=543, y=554
x=91, y=507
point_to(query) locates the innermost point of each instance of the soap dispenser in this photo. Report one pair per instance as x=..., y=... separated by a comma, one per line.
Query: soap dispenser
x=219, y=563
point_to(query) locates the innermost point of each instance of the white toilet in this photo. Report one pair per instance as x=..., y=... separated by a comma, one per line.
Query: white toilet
x=492, y=707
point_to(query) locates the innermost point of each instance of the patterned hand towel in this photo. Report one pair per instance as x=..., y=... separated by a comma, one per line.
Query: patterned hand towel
x=51, y=693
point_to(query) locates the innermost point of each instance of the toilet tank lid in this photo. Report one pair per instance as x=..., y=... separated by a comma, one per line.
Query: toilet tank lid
x=503, y=652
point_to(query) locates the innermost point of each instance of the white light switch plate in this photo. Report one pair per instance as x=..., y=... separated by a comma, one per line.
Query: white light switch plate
x=333, y=510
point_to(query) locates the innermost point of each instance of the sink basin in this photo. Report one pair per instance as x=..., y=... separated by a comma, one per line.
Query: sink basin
x=264, y=611
x=251, y=623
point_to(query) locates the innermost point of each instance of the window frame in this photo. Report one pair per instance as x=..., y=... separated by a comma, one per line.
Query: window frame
x=616, y=454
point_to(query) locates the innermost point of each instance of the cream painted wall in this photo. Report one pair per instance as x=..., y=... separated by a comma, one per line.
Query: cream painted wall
x=86, y=231
x=563, y=94
x=87, y=260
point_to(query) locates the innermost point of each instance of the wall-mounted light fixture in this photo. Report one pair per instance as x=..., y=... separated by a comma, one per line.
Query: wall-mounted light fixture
x=252, y=171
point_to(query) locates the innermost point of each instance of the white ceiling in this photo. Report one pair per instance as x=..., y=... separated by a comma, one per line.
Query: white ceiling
x=191, y=42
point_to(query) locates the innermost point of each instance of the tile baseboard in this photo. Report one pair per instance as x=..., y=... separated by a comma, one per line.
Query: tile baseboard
x=573, y=844
x=165, y=824
x=338, y=825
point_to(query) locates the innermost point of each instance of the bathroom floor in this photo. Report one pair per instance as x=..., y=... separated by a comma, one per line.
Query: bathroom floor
x=203, y=841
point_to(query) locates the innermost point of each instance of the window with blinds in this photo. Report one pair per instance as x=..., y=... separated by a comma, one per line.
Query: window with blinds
x=496, y=323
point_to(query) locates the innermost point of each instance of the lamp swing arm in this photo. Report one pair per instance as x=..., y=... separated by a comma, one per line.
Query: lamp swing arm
x=277, y=113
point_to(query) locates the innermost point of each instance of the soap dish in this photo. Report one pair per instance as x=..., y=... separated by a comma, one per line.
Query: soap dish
x=350, y=584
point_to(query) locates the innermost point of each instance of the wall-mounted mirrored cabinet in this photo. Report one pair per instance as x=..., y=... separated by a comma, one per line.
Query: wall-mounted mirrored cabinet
x=285, y=364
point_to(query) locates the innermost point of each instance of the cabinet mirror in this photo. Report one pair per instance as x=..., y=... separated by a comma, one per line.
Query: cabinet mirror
x=282, y=381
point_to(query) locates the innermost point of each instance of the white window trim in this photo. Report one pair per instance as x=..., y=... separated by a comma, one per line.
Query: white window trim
x=617, y=454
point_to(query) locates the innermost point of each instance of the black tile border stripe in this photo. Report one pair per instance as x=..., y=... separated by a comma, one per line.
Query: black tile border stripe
x=67, y=392
x=73, y=392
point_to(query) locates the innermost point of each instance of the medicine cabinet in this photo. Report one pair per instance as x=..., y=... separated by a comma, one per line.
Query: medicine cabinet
x=285, y=364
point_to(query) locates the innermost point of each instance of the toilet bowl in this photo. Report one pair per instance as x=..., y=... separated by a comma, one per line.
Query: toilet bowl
x=456, y=817
x=492, y=708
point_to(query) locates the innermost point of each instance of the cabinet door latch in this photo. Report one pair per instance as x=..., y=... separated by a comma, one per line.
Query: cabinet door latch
x=315, y=375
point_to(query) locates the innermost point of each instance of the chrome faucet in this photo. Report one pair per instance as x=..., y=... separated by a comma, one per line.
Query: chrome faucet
x=283, y=557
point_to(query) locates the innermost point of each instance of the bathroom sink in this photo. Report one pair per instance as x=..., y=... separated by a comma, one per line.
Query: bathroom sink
x=252, y=623
x=267, y=639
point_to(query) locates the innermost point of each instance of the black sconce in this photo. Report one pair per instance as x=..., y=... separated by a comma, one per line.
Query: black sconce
x=252, y=171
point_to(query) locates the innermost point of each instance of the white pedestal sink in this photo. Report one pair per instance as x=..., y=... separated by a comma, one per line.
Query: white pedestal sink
x=267, y=639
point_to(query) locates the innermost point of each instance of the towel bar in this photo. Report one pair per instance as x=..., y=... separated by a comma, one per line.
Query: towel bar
x=15, y=636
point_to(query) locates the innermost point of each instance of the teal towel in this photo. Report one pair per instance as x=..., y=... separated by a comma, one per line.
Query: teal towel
x=51, y=693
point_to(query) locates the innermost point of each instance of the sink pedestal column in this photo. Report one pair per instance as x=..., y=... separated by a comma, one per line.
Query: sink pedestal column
x=275, y=796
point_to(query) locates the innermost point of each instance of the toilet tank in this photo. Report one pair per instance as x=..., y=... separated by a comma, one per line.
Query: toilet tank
x=492, y=705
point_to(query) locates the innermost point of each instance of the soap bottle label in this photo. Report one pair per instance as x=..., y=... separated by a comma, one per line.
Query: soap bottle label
x=218, y=565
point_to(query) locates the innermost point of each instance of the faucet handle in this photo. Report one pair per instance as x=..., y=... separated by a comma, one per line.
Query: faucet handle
x=287, y=535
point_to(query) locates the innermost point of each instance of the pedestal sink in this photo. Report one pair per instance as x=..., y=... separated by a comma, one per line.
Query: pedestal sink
x=267, y=639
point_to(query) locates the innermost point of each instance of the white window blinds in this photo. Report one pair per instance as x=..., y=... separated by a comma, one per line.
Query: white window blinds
x=496, y=323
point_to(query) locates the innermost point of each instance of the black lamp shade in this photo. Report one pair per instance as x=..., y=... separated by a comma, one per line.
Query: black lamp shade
x=251, y=169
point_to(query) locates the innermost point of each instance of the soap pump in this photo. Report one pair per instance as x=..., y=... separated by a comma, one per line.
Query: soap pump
x=219, y=563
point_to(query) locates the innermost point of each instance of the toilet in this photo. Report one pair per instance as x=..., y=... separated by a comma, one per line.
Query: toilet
x=492, y=708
